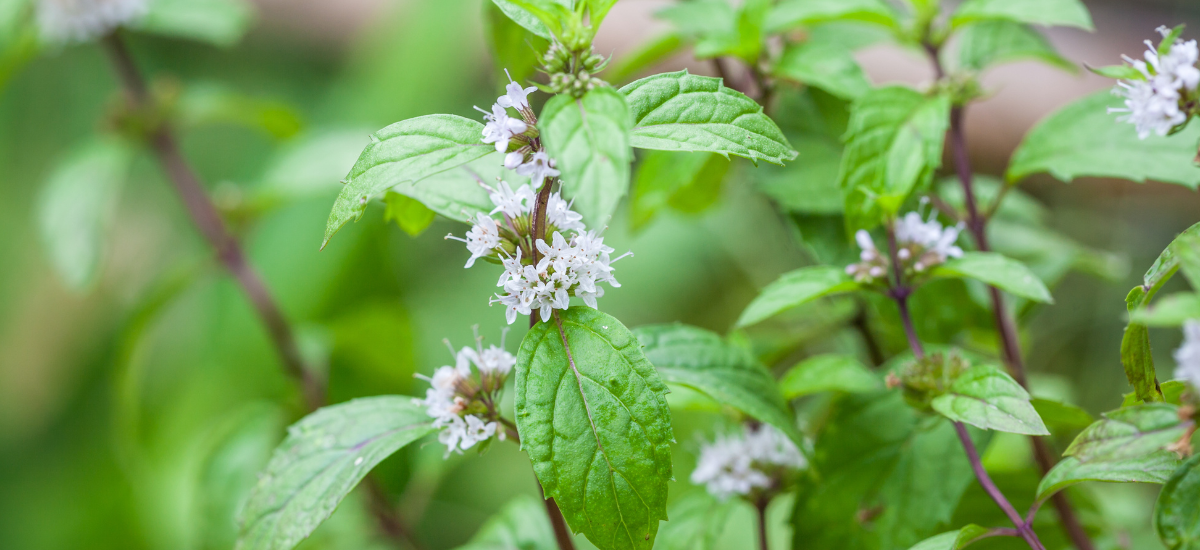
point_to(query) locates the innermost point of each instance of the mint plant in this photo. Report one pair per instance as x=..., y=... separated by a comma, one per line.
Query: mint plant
x=867, y=389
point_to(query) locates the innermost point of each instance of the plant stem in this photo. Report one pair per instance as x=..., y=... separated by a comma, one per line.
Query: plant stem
x=899, y=293
x=760, y=506
x=229, y=252
x=1005, y=323
x=206, y=218
x=537, y=230
x=990, y=487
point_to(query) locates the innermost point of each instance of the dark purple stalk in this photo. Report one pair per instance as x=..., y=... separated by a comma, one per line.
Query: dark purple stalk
x=1005, y=323
x=900, y=293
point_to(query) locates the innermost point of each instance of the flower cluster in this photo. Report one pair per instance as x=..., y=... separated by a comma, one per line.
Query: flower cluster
x=518, y=137
x=1187, y=356
x=84, y=20
x=920, y=245
x=1158, y=100
x=573, y=263
x=462, y=401
x=737, y=465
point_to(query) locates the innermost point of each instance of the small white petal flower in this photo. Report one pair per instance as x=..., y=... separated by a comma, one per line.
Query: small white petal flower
x=1152, y=103
x=65, y=21
x=735, y=465
x=560, y=215
x=539, y=167
x=512, y=203
x=1187, y=356
x=513, y=160
x=482, y=239
x=501, y=128
x=515, y=96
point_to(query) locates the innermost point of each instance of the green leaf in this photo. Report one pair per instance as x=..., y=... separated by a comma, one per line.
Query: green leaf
x=703, y=361
x=545, y=18
x=684, y=112
x=592, y=414
x=988, y=398
x=987, y=43
x=589, y=138
x=1172, y=392
x=77, y=205
x=699, y=18
x=1129, y=432
x=1155, y=467
x=789, y=14
x=830, y=372
x=1136, y=356
x=522, y=524
x=1067, y=13
x=1063, y=416
x=324, y=456
x=406, y=152
x=953, y=540
x=1083, y=139
x=999, y=271
x=513, y=47
x=893, y=144
x=697, y=520
x=457, y=193
x=219, y=22
x=1177, y=512
x=1165, y=266
x=408, y=213
x=1169, y=311
x=813, y=121
x=888, y=477
x=309, y=166
x=1117, y=72
x=598, y=10
x=795, y=288
x=689, y=182
x=824, y=66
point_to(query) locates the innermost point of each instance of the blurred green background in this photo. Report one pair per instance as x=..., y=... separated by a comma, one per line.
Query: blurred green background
x=135, y=413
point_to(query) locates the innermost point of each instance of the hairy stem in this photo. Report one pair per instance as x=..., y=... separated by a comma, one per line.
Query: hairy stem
x=1005, y=323
x=229, y=252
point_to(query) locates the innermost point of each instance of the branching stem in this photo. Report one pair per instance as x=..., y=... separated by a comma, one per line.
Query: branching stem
x=229, y=252
x=1005, y=323
x=900, y=293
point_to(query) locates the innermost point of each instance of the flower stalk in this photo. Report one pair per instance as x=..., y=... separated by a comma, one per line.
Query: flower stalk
x=899, y=293
x=1010, y=347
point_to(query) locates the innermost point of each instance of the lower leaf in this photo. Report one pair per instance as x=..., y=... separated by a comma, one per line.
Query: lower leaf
x=324, y=456
x=1177, y=512
x=593, y=416
x=1153, y=468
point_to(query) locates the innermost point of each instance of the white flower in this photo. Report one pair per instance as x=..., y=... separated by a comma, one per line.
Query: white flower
x=83, y=20
x=512, y=203
x=560, y=215
x=513, y=160
x=501, y=128
x=1187, y=356
x=482, y=239
x=515, y=96
x=926, y=239
x=455, y=390
x=539, y=167
x=735, y=465
x=1152, y=102
x=568, y=267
